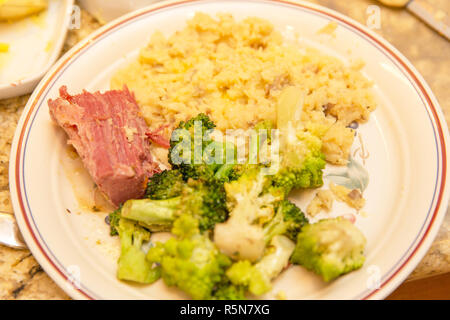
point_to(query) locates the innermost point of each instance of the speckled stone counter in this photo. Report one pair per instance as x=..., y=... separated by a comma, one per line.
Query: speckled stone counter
x=21, y=277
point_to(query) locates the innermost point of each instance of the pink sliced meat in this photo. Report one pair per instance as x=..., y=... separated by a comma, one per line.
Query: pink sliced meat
x=109, y=134
x=158, y=138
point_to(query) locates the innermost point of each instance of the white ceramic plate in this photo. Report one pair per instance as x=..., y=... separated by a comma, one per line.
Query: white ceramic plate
x=106, y=10
x=406, y=139
x=35, y=45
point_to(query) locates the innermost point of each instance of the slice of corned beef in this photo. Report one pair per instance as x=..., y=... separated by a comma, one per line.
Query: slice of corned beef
x=109, y=134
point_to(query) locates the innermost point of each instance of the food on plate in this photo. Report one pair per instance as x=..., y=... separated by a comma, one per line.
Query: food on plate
x=235, y=71
x=352, y=197
x=330, y=247
x=234, y=227
x=206, y=202
x=256, y=278
x=230, y=236
x=108, y=133
x=323, y=200
x=18, y=9
x=191, y=261
x=302, y=157
x=329, y=29
x=252, y=201
x=133, y=265
x=215, y=167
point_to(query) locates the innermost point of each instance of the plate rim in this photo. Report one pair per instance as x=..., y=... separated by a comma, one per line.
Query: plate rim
x=432, y=106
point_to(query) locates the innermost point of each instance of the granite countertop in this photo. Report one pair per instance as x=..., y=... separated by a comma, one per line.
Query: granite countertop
x=21, y=277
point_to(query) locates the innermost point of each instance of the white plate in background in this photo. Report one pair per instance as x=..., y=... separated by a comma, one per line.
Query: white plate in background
x=35, y=44
x=406, y=137
x=107, y=10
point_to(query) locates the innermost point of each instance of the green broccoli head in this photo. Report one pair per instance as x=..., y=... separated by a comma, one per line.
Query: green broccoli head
x=307, y=176
x=165, y=185
x=206, y=123
x=206, y=202
x=132, y=264
x=302, y=160
x=244, y=274
x=185, y=227
x=198, y=157
x=225, y=290
x=330, y=248
x=288, y=221
x=302, y=163
x=230, y=170
x=187, y=146
x=190, y=262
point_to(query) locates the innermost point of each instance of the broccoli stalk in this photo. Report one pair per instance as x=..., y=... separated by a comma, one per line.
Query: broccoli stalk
x=156, y=215
x=257, y=278
x=251, y=204
x=132, y=264
x=330, y=248
x=190, y=262
x=203, y=201
x=276, y=258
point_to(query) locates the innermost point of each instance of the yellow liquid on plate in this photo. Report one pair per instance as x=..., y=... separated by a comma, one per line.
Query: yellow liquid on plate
x=89, y=198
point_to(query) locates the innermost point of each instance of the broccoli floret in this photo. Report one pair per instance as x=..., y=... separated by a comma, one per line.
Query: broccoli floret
x=330, y=248
x=302, y=160
x=251, y=204
x=257, y=278
x=205, y=121
x=225, y=290
x=308, y=175
x=132, y=264
x=196, y=156
x=232, y=172
x=187, y=146
x=207, y=202
x=244, y=274
x=191, y=261
x=204, y=201
x=288, y=221
x=165, y=185
x=226, y=173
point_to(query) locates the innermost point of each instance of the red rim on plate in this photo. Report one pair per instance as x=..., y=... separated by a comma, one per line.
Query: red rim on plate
x=431, y=106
